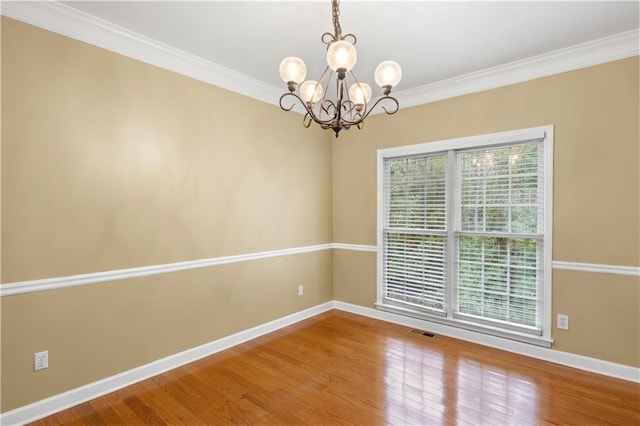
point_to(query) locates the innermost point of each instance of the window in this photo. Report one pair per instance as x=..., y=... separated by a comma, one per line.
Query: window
x=464, y=232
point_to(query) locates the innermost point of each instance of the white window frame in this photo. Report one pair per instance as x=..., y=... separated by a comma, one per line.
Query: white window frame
x=451, y=145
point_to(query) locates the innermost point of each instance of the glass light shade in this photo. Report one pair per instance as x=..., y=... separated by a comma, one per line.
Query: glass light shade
x=388, y=73
x=311, y=91
x=341, y=54
x=292, y=69
x=360, y=93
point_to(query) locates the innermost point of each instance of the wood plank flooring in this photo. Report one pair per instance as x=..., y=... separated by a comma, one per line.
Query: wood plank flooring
x=343, y=369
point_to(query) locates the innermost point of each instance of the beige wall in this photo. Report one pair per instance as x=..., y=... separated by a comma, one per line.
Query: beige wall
x=110, y=163
x=96, y=331
x=596, y=192
x=123, y=164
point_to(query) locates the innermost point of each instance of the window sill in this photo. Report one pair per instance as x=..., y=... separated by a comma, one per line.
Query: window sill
x=458, y=323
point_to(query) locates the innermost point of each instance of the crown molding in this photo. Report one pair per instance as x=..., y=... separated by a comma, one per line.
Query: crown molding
x=70, y=22
x=64, y=20
x=595, y=52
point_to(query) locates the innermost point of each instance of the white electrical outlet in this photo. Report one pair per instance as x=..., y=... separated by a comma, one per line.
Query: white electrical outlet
x=40, y=360
x=563, y=322
x=300, y=290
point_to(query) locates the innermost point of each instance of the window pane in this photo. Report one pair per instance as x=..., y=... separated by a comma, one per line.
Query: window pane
x=417, y=193
x=498, y=279
x=414, y=270
x=500, y=189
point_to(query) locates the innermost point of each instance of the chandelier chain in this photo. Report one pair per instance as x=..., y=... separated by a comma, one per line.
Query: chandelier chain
x=336, y=19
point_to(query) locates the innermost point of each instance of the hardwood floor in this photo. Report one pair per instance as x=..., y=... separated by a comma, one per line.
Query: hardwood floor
x=338, y=369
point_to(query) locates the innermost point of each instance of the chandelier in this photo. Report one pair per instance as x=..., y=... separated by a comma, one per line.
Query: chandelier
x=349, y=107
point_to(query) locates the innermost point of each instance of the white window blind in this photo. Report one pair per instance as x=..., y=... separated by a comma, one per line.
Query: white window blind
x=415, y=232
x=499, y=223
x=465, y=235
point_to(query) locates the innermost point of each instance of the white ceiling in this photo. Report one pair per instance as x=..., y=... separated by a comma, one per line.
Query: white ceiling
x=432, y=41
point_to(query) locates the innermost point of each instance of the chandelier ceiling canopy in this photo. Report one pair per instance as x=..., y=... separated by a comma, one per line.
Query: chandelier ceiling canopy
x=350, y=106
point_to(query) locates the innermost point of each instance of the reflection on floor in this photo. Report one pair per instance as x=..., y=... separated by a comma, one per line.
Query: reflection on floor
x=340, y=368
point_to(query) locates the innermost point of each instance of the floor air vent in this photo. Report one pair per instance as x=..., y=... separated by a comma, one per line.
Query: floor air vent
x=423, y=333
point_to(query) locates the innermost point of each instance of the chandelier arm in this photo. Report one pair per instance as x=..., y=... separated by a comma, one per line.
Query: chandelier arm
x=325, y=106
x=351, y=115
x=394, y=110
x=321, y=80
x=306, y=120
x=328, y=38
x=353, y=38
x=349, y=108
x=338, y=119
x=309, y=111
x=293, y=104
x=396, y=106
x=366, y=114
x=364, y=107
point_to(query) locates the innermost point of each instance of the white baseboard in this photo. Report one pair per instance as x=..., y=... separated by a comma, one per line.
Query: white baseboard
x=56, y=403
x=580, y=362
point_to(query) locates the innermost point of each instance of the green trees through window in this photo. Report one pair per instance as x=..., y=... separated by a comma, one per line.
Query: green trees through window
x=415, y=239
x=500, y=192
